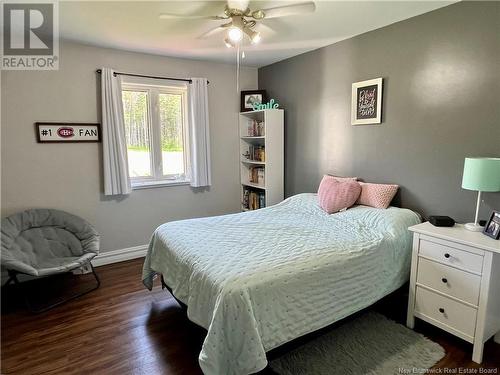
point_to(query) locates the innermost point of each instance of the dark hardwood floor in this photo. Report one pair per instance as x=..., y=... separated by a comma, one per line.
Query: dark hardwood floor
x=122, y=328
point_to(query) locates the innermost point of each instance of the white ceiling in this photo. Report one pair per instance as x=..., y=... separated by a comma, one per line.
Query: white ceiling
x=135, y=26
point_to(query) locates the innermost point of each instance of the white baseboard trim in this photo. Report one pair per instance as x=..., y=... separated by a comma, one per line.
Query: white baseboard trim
x=102, y=259
x=120, y=255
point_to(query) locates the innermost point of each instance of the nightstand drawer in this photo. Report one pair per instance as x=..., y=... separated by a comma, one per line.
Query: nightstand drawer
x=454, y=282
x=451, y=256
x=451, y=313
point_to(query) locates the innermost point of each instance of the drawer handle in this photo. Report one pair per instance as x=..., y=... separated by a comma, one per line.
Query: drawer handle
x=441, y=310
x=444, y=280
x=446, y=255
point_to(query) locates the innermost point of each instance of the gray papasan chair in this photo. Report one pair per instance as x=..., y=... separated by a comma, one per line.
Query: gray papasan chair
x=43, y=242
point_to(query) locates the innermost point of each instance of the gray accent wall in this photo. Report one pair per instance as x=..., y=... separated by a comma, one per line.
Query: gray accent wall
x=69, y=176
x=441, y=104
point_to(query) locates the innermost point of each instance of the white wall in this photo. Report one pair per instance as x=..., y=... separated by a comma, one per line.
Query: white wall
x=69, y=176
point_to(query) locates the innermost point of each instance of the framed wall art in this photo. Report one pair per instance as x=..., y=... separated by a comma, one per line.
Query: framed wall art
x=65, y=132
x=367, y=102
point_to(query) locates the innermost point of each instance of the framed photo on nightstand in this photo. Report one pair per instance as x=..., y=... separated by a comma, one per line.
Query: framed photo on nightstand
x=492, y=227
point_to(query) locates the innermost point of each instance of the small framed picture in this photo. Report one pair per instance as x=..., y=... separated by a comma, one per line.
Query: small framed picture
x=248, y=98
x=366, y=102
x=492, y=227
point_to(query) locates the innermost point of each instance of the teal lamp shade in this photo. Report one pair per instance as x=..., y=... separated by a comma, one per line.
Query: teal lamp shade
x=481, y=174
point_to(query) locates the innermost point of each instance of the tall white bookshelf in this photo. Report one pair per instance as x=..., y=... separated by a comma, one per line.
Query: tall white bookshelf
x=261, y=173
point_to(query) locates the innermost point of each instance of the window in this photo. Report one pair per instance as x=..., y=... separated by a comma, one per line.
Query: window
x=155, y=130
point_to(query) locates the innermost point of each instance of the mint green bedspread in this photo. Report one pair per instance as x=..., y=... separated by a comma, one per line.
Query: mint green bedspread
x=256, y=280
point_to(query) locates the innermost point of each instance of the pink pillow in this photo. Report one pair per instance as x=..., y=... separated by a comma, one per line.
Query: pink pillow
x=335, y=195
x=377, y=195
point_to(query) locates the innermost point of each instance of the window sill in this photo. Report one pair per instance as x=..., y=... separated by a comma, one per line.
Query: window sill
x=157, y=184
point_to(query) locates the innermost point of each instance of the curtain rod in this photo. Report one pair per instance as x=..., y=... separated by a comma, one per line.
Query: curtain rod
x=99, y=71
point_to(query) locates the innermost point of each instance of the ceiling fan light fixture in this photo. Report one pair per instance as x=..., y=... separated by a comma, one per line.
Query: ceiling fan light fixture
x=235, y=34
x=253, y=35
x=256, y=39
x=229, y=43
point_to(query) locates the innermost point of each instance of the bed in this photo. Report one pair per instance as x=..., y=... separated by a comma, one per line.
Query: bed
x=258, y=279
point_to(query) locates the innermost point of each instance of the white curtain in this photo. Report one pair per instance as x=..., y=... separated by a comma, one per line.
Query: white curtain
x=114, y=144
x=199, y=135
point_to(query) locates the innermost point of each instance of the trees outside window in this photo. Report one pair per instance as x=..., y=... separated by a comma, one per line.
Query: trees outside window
x=155, y=129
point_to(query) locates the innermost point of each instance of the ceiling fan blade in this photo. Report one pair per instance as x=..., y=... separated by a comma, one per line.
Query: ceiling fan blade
x=169, y=16
x=211, y=32
x=289, y=10
x=265, y=29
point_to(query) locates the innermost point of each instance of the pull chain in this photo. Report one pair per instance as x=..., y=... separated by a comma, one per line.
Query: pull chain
x=238, y=68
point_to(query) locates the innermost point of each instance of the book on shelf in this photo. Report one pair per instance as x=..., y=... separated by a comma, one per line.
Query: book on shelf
x=261, y=180
x=255, y=128
x=262, y=200
x=246, y=198
x=253, y=200
x=257, y=175
x=256, y=153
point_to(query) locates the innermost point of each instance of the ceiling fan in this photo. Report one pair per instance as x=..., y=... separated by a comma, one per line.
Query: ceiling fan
x=242, y=19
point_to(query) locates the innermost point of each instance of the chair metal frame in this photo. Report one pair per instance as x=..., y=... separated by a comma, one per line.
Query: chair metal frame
x=22, y=287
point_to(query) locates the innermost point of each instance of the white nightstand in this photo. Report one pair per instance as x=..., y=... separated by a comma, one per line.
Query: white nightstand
x=455, y=283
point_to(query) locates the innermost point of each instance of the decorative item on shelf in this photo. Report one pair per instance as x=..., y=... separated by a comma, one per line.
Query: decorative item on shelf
x=260, y=154
x=255, y=128
x=261, y=129
x=270, y=105
x=251, y=128
x=366, y=102
x=480, y=174
x=246, y=155
x=250, y=97
x=492, y=227
x=66, y=132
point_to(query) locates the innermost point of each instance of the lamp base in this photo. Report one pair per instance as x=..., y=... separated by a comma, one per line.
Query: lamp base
x=473, y=227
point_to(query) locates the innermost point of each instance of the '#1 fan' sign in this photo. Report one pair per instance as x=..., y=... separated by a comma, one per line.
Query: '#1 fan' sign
x=67, y=132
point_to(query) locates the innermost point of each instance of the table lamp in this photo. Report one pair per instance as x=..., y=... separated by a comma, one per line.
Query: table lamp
x=480, y=174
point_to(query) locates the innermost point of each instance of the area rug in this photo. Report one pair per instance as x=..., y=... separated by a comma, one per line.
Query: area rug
x=369, y=344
